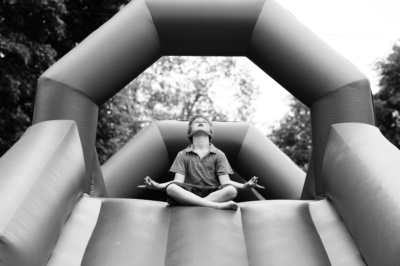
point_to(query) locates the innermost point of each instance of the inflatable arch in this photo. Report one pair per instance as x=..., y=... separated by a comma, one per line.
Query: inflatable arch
x=48, y=218
x=334, y=89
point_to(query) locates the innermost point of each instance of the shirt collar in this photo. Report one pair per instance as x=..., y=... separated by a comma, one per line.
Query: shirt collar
x=213, y=149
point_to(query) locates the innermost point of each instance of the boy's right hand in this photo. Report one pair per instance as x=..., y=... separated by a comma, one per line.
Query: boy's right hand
x=149, y=183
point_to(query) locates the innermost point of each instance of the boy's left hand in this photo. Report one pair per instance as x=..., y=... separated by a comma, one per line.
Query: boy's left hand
x=252, y=183
x=149, y=183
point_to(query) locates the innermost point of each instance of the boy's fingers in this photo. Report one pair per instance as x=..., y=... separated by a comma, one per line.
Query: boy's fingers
x=258, y=186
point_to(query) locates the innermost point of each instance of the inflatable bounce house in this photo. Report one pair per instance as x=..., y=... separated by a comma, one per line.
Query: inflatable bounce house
x=58, y=206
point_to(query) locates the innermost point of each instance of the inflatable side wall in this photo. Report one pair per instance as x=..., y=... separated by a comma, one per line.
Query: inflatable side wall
x=361, y=176
x=42, y=177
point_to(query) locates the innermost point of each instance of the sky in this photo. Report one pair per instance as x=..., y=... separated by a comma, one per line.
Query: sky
x=362, y=31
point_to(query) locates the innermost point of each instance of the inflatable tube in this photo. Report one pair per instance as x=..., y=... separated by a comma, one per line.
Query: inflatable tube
x=42, y=177
x=361, y=176
x=71, y=105
x=153, y=150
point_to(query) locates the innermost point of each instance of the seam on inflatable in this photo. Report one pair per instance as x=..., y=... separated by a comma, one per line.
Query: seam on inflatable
x=315, y=227
x=94, y=227
x=373, y=108
x=163, y=140
x=155, y=27
x=316, y=230
x=339, y=88
x=69, y=87
x=166, y=244
x=255, y=26
x=56, y=259
x=244, y=236
x=331, y=131
x=34, y=183
x=241, y=143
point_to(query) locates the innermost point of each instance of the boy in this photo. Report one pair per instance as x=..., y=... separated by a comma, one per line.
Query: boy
x=201, y=173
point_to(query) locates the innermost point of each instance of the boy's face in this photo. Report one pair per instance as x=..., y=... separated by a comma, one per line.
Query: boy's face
x=200, y=125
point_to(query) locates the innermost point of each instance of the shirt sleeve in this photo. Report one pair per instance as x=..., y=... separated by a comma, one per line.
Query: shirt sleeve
x=178, y=166
x=223, y=166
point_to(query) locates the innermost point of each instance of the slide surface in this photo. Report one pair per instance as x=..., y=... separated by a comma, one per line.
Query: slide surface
x=142, y=232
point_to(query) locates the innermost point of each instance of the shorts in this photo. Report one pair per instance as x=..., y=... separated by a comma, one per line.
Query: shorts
x=197, y=190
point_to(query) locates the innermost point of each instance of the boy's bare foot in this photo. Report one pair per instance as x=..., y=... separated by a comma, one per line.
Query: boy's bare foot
x=229, y=205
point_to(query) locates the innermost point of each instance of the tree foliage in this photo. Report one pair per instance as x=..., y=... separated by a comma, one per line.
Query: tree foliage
x=293, y=134
x=33, y=35
x=83, y=18
x=177, y=88
x=387, y=99
x=27, y=31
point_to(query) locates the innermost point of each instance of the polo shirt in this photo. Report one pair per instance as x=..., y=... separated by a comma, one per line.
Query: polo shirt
x=204, y=171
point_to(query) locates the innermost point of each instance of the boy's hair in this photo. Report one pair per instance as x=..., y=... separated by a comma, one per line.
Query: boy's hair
x=190, y=136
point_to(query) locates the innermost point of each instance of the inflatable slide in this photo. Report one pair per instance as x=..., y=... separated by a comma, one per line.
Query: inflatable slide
x=58, y=206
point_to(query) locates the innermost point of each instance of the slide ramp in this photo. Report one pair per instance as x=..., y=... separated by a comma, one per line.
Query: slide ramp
x=142, y=232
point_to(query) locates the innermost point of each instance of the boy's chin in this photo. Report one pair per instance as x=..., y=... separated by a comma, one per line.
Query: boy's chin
x=201, y=130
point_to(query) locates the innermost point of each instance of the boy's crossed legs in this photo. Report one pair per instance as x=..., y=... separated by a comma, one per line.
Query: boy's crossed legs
x=219, y=199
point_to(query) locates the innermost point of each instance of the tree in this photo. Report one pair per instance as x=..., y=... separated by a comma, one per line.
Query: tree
x=118, y=122
x=33, y=35
x=27, y=31
x=387, y=99
x=176, y=88
x=293, y=134
x=83, y=18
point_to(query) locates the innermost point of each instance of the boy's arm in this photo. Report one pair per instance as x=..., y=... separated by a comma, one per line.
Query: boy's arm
x=151, y=184
x=252, y=183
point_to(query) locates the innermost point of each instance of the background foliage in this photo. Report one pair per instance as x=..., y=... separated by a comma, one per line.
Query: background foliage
x=27, y=31
x=33, y=35
x=387, y=100
x=293, y=135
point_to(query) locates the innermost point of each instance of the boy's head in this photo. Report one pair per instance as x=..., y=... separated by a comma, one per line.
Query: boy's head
x=200, y=123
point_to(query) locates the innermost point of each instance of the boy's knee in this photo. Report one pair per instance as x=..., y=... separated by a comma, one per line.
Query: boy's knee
x=171, y=189
x=230, y=191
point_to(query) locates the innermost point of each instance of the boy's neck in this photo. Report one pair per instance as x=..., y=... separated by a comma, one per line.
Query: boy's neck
x=201, y=142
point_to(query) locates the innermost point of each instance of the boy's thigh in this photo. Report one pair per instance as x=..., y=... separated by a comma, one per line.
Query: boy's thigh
x=172, y=202
x=236, y=198
x=199, y=191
